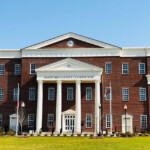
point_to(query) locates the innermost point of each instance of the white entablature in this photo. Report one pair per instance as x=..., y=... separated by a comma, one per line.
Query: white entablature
x=69, y=69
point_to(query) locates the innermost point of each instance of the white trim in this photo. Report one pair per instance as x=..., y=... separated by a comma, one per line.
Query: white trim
x=74, y=36
x=86, y=93
x=49, y=94
x=34, y=94
x=72, y=94
x=127, y=69
x=110, y=120
x=144, y=68
x=47, y=121
x=125, y=94
x=10, y=53
x=86, y=120
x=141, y=121
x=106, y=69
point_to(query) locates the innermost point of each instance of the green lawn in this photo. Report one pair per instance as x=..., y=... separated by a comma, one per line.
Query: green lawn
x=74, y=143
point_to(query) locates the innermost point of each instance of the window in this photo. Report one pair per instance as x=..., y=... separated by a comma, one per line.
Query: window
x=31, y=120
x=15, y=94
x=69, y=93
x=51, y=94
x=89, y=93
x=143, y=94
x=2, y=69
x=31, y=93
x=125, y=94
x=108, y=68
x=0, y=119
x=88, y=121
x=32, y=68
x=108, y=121
x=1, y=94
x=107, y=93
x=142, y=68
x=50, y=120
x=124, y=68
x=17, y=69
x=144, y=121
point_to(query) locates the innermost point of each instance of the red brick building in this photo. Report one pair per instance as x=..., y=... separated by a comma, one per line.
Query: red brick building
x=65, y=85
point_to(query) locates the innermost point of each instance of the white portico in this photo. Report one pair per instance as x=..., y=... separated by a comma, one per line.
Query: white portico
x=68, y=71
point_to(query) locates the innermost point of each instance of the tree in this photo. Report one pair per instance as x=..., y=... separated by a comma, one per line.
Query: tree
x=22, y=119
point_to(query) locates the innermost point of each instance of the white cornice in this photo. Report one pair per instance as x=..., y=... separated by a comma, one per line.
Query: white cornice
x=10, y=53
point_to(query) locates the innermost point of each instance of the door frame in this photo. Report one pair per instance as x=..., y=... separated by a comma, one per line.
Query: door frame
x=68, y=112
x=12, y=116
x=131, y=122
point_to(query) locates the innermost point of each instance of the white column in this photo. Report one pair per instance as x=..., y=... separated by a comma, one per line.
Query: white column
x=58, y=106
x=78, y=107
x=97, y=107
x=39, y=106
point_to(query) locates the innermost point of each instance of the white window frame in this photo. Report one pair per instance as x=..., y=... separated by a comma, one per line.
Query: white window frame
x=125, y=94
x=106, y=70
x=88, y=121
x=15, y=95
x=125, y=69
x=30, y=121
x=109, y=121
x=49, y=94
x=109, y=93
x=31, y=99
x=1, y=119
x=142, y=94
x=32, y=69
x=50, y=121
x=141, y=121
x=140, y=69
x=87, y=94
x=2, y=94
x=68, y=94
x=2, y=70
x=16, y=71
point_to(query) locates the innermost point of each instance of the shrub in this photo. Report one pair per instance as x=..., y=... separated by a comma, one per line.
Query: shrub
x=2, y=132
x=129, y=134
x=11, y=132
x=78, y=134
x=46, y=134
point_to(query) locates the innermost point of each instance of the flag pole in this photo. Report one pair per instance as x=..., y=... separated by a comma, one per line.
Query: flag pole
x=17, y=111
x=110, y=108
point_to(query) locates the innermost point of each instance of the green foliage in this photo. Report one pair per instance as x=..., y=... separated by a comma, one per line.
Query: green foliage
x=11, y=132
x=2, y=131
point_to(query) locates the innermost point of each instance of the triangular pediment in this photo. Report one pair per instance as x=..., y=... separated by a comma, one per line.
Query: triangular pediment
x=68, y=64
x=69, y=112
x=91, y=43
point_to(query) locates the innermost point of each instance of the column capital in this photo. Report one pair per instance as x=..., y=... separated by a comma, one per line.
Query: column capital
x=59, y=81
x=40, y=81
x=78, y=81
x=97, y=81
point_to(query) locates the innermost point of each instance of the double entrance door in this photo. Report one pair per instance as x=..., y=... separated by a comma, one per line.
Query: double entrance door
x=69, y=123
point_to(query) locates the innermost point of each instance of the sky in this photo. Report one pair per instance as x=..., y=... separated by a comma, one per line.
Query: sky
x=124, y=23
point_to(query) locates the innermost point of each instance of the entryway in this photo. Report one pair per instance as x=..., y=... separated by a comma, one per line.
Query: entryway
x=69, y=123
x=13, y=121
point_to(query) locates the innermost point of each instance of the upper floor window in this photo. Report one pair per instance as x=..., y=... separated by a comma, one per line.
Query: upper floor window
x=2, y=69
x=142, y=68
x=32, y=68
x=88, y=121
x=108, y=68
x=0, y=119
x=31, y=120
x=125, y=92
x=50, y=120
x=31, y=93
x=1, y=94
x=124, y=68
x=108, y=121
x=51, y=94
x=143, y=94
x=69, y=93
x=107, y=93
x=15, y=96
x=89, y=93
x=144, y=121
x=17, y=69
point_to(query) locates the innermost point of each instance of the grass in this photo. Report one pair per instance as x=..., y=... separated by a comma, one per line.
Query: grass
x=74, y=143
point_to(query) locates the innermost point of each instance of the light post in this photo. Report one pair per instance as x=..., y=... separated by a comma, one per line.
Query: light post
x=125, y=109
x=22, y=104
